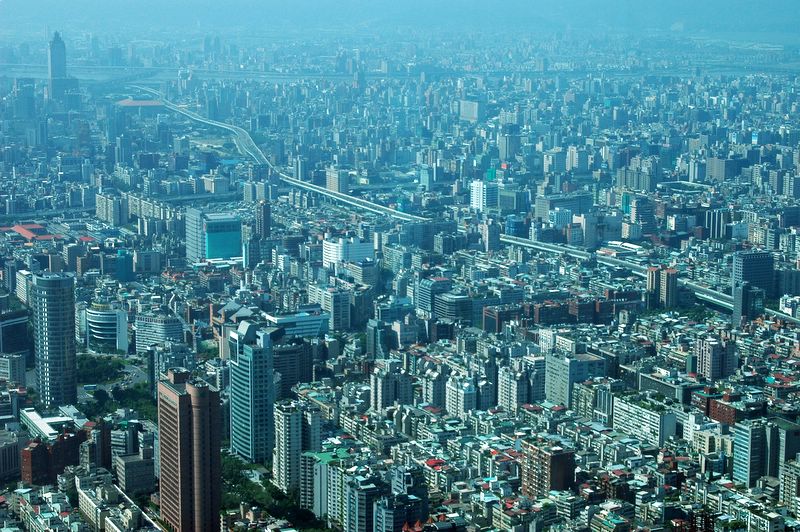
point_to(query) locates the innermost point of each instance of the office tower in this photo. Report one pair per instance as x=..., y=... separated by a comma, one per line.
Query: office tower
x=57, y=67
x=668, y=289
x=508, y=142
x=14, y=337
x=123, y=151
x=389, y=384
x=263, y=219
x=377, y=341
x=662, y=287
x=562, y=371
x=749, y=451
x=426, y=176
x=293, y=361
x=190, y=431
x=748, y=303
x=212, y=235
x=490, y=234
x=252, y=249
x=715, y=221
x=546, y=466
x=715, y=359
x=104, y=326
x=252, y=393
x=756, y=268
x=155, y=327
x=642, y=214
x=297, y=430
x=345, y=250
x=483, y=195
x=53, y=306
x=427, y=291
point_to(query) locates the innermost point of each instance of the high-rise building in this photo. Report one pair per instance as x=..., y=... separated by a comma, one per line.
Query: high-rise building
x=393, y=512
x=212, y=235
x=346, y=250
x=545, y=467
x=642, y=214
x=662, y=287
x=335, y=301
x=461, y=395
x=297, y=430
x=156, y=328
x=12, y=368
x=388, y=384
x=715, y=221
x=756, y=268
x=789, y=494
x=748, y=303
x=749, y=451
x=337, y=180
x=562, y=371
x=263, y=219
x=361, y=494
x=490, y=234
x=252, y=392
x=483, y=195
x=715, y=359
x=427, y=291
x=189, y=423
x=513, y=388
x=52, y=300
x=57, y=67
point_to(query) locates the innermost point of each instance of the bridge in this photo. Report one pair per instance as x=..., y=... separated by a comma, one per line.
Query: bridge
x=245, y=144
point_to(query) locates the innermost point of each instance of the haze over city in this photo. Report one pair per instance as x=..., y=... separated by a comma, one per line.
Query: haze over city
x=400, y=266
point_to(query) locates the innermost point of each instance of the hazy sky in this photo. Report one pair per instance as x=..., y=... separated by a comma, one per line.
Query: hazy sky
x=688, y=16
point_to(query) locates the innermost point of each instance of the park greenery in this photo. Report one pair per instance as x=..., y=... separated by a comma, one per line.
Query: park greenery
x=99, y=369
x=238, y=488
x=136, y=398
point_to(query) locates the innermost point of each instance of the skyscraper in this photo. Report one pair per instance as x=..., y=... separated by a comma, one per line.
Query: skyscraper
x=749, y=451
x=57, y=66
x=263, y=219
x=212, y=235
x=756, y=268
x=189, y=423
x=252, y=393
x=490, y=233
x=483, y=195
x=748, y=303
x=297, y=430
x=53, y=302
x=662, y=287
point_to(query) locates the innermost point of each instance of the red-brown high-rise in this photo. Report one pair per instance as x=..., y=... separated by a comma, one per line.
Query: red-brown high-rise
x=189, y=425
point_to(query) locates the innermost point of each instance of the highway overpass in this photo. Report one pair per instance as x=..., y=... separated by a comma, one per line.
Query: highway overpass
x=246, y=145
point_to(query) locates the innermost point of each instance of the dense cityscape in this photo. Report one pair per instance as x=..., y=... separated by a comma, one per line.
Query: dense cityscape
x=399, y=281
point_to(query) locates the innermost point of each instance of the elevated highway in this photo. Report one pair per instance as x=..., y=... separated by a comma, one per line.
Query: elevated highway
x=246, y=145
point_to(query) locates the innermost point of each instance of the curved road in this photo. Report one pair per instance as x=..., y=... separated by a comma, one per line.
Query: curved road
x=246, y=145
